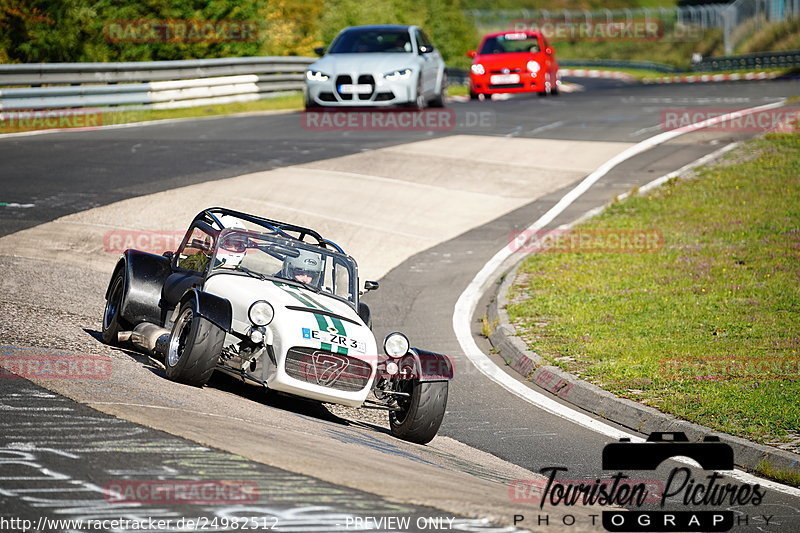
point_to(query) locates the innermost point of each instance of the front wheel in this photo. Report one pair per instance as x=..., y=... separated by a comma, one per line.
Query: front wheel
x=421, y=412
x=439, y=99
x=194, y=347
x=419, y=99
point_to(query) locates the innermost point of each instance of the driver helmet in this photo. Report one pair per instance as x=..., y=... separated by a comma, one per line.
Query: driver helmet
x=306, y=267
x=233, y=246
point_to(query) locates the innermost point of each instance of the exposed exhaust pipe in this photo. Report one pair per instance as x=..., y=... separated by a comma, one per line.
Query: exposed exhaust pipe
x=149, y=337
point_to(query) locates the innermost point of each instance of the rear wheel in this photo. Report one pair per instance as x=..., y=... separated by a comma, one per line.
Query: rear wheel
x=421, y=412
x=194, y=347
x=113, y=322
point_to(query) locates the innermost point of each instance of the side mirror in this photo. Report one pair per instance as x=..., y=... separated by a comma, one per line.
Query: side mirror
x=168, y=254
x=548, y=51
x=425, y=48
x=319, y=50
x=472, y=53
x=371, y=285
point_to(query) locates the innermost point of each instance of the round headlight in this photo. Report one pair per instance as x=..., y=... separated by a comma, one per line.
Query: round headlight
x=533, y=66
x=396, y=345
x=261, y=313
x=256, y=336
x=477, y=68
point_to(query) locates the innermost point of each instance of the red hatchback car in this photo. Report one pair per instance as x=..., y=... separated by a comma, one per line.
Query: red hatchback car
x=513, y=62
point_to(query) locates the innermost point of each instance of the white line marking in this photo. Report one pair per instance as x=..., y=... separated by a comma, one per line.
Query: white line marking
x=547, y=127
x=468, y=301
x=645, y=130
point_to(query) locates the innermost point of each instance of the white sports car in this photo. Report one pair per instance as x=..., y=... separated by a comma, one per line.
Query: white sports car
x=375, y=66
x=276, y=305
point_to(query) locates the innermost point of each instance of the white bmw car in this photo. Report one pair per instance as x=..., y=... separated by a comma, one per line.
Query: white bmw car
x=377, y=66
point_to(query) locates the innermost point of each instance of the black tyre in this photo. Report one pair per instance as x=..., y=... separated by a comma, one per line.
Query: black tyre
x=439, y=100
x=113, y=322
x=474, y=96
x=194, y=347
x=421, y=413
x=419, y=102
x=309, y=104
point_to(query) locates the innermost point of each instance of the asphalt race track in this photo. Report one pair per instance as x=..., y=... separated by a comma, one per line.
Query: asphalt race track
x=317, y=469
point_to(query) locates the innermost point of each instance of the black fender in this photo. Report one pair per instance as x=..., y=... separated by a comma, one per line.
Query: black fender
x=216, y=310
x=365, y=314
x=430, y=366
x=144, y=278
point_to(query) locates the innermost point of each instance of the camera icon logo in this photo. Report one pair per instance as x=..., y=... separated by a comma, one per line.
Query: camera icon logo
x=710, y=453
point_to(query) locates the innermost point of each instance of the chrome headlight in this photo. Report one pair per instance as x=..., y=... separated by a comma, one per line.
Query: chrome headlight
x=477, y=68
x=402, y=74
x=261, y=313
x=396, y=345
x=314, y=75
x=533, y=66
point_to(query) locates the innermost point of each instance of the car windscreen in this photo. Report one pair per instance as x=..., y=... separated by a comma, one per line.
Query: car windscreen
x=359, y=41
x=510, y=43
x=272, y=257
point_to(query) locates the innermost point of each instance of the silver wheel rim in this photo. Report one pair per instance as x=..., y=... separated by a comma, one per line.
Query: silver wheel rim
x=177, y=341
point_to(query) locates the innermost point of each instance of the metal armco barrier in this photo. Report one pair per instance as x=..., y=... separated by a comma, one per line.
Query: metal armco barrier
x=750, y=61
x=609, y=63
x=148, y=84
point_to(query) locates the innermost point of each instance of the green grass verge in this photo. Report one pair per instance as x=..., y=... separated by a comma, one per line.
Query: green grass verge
x=457, y=90
x=790, y=477
x=707, y=327
x=278, y=103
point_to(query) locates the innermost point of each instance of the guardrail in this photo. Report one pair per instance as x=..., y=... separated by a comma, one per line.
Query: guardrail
x=750, y=61
x=606, y=63
x=175, y=84
x=148, y=84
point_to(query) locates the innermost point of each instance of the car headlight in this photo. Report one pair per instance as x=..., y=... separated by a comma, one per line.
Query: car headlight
x=477, y=68
x=402, y=74
x=533, y=66
x=395, y=345
x=261, y=313
x=315, y=75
